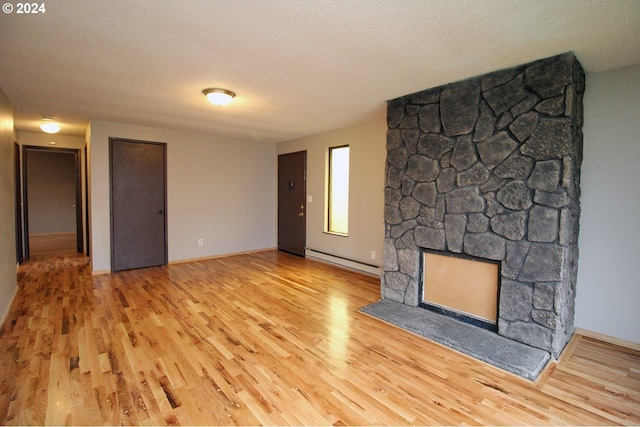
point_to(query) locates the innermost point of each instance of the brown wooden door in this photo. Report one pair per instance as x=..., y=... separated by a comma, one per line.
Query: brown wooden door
x=292, y=207
x=138, y=204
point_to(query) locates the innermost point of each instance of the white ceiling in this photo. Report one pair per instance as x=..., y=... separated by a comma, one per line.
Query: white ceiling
x=299, y=67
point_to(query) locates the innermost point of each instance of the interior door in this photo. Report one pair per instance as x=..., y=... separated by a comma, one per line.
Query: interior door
x=292, y=194
x=138, y=204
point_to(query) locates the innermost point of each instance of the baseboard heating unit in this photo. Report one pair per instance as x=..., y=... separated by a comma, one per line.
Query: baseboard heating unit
x=360, y=266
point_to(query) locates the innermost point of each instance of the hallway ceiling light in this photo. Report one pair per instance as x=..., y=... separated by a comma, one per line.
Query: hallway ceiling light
x=49, y=126
x=219, y=97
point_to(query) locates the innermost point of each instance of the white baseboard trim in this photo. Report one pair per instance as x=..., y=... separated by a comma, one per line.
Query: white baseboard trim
x=224, y=255
x=359, y=266
x=185, y=260
x=608, y=339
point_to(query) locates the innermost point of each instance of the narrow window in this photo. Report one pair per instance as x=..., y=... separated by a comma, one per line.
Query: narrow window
x=338, y=190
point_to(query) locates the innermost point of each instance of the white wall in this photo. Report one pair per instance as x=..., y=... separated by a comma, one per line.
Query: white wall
x=367, y=142
x=219, y=189
x=8, y=279
x=608, y=288
x=51, y=194
x=44, y=140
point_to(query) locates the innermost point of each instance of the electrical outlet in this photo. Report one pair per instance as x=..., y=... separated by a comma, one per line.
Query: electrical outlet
x=200, y=241
x=373, y=254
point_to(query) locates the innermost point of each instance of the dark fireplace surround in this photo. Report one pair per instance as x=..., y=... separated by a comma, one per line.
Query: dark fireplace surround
x=489, y=167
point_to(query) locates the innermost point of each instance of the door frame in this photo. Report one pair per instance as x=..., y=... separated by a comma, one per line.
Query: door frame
x=18, y=204
x=25, y=199
x=86, y=197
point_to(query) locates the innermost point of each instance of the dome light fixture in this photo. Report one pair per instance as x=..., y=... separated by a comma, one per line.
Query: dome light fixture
x=48, y=125
x=219, y=97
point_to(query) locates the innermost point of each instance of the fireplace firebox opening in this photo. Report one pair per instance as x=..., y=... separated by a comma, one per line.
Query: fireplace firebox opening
x=461, y=286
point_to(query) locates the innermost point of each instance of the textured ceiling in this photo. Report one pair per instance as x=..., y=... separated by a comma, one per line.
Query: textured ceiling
x=299, y=67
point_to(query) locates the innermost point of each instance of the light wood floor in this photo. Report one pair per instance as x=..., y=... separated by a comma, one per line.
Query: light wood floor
x=43, y=245
x=266, y=338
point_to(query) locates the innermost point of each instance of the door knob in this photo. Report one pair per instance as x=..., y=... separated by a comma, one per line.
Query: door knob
x=301, y=214
x=160, y=212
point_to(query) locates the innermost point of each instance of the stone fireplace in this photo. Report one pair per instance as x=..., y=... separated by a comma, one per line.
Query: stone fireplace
x=489, y=167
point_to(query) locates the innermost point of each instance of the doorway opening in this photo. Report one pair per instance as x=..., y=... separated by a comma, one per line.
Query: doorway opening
x=52, y=201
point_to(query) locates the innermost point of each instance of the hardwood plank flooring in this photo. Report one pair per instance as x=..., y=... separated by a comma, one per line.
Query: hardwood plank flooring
x=52, y=244
x=267, y=339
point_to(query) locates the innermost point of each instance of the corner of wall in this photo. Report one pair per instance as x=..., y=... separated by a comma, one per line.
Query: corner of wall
x=8, y=277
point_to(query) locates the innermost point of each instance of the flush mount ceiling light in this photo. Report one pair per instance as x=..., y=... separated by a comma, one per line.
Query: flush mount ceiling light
x=48, y=125
x=219, y=97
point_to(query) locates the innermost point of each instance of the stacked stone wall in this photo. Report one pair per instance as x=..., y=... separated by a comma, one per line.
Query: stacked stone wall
x=490, y=167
